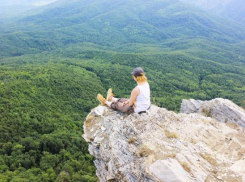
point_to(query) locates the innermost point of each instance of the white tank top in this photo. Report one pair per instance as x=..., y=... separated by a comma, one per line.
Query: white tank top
x=143, y=100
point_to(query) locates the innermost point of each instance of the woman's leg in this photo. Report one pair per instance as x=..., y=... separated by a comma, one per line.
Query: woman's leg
x=108, y=103
x=113, y=99
x=119, y=106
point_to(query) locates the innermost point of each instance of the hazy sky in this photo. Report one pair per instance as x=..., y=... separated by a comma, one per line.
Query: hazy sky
x=41, y=3
x=7, y=3
x=14, y=8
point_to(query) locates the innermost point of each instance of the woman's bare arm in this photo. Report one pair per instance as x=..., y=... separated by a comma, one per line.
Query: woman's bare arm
x=135, y=92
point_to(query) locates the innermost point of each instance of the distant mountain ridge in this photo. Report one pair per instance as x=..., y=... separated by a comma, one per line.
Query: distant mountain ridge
x=155, y=17
x=232, y=9
x=115, y=23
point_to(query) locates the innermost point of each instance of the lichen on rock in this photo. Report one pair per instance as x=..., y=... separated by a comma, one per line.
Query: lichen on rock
x=161, y=145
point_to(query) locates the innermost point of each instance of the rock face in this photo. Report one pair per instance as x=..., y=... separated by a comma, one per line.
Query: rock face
x=221, y=109
x=161, y=145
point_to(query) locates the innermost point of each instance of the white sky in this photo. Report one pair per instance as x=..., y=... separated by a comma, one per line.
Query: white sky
x=42, y=3
x=12, y=8
x=7, y=3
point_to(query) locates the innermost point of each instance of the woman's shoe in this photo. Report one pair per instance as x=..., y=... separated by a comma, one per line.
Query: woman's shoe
x=101, y=99
x=109, y=94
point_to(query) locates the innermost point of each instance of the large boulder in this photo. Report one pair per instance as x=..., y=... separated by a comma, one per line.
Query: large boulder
x=161, y=145
x=221, y=109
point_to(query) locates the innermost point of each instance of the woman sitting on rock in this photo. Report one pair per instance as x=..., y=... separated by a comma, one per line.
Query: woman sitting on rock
x=139, y=100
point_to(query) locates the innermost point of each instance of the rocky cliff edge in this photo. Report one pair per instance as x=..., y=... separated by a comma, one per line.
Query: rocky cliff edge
x=161, y=145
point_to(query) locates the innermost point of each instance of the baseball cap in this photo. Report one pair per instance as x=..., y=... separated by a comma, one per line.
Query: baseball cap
x=137, y=71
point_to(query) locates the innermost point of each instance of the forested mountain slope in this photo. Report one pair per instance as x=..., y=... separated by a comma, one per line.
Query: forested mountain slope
x=54, y=61
x=113, y=23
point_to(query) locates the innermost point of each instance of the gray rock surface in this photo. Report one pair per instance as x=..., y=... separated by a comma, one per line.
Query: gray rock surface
x=221, y=109
x=169, y=170
x=161, y=145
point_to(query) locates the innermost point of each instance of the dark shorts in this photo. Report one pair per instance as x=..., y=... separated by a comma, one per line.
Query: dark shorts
x=118, y=106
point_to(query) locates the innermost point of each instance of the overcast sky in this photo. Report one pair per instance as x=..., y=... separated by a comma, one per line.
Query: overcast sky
x=14, y=8
x=25, y=2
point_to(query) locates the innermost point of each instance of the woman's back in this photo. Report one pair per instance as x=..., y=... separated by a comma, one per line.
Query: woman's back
x=143, y=101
